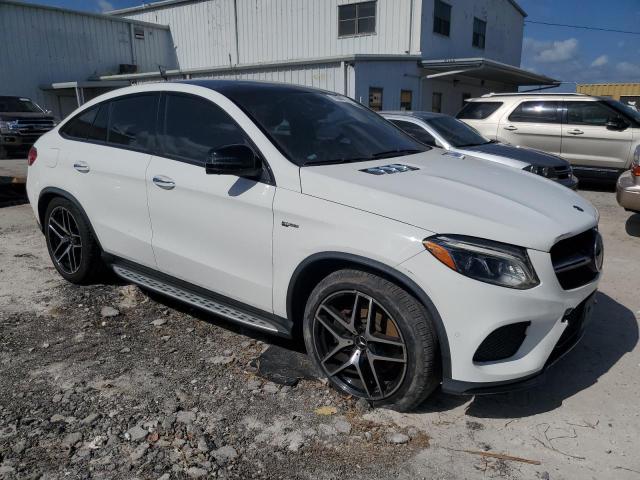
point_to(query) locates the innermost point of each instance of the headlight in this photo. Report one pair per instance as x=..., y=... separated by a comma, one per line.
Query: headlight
x=484, y=260
x=8, y=127
x=542, y=171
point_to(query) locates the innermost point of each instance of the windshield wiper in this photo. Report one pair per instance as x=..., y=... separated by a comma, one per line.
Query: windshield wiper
x=395, y=153
x=336, y=161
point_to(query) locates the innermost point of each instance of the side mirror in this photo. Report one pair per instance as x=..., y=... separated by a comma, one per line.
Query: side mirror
x=238, y=160
x=617, y=124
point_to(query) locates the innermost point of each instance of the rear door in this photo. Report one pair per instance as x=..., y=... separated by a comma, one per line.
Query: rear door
x=213, y=231
x=535, y=124
x=106, y=159
x=587, y=141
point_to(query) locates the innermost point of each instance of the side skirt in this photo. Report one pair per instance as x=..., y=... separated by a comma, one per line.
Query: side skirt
x=201, y=298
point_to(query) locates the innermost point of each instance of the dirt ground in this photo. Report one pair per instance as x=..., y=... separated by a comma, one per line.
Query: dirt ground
x=107, y=382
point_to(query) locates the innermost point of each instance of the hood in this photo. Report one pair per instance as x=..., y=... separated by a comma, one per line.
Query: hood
x=9, y=116
x=528, y=155
x=466, y=196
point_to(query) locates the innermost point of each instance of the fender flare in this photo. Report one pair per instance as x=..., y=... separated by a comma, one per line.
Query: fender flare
x=391, y=273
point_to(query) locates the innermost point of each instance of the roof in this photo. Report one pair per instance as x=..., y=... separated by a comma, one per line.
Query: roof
x=518, y=8
x=231, y=87
x=102, y=16
x=533, y=94
x=486, y=69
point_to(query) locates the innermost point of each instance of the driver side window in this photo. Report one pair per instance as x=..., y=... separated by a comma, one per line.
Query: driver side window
x=194, y=126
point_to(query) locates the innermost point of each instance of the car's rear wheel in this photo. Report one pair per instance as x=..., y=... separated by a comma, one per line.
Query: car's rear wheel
x=372, y=339
x=72, y=247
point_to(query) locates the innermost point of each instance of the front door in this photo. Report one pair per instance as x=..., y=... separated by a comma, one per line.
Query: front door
x=587, y=141
x=213, y=231
x=534, y=124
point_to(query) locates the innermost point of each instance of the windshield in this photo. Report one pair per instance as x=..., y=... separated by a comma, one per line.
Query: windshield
x=455, y=132
x=628, y=110
x=316, y=128
x=15, y=104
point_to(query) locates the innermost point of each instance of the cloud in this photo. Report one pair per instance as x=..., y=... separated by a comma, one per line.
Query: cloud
x=105, y=5
x=628, y=69
x=601, y=61
x=551, y=51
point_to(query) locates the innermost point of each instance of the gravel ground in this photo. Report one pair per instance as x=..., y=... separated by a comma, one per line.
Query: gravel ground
x=108, y=382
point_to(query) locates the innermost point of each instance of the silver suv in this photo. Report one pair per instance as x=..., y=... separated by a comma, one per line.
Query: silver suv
x=596, y=135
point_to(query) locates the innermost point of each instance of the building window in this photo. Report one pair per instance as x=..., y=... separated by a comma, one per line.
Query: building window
x=356, y=19
x=442, y=18
x=138, y=33
x=375, y=98
x=405, y=99
x=436, y=102
x=479, y=32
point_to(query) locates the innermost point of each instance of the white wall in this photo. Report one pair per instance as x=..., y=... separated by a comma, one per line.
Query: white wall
x=505, y=26
x=43, y=45
x=275, y=30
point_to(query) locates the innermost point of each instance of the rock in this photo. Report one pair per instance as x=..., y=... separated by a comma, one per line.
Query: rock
x=327, y=430
x=195, y=472
x=139, y=452
x=71, y=439
x=186, y=417
x=166, y=476
x=342, y=426
x=368, y=436
x=137, y=433
x=398, y=438
x=203, y=445
x=159, y=322
x=125, y=350
x=270, y=388
x=224, y=455
x=326, y=410
x=221, y=360
x=90, y=419
x=57, y=418
x=413, y=432
x=362, y=406
x=254, y=384
x=107, y=312
x=296, y=441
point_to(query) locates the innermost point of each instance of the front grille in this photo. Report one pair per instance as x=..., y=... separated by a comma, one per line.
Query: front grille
x=502, y=343
x=34, y=126
x=574, y=259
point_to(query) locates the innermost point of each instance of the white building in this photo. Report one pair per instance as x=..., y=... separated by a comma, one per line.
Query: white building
x=389, y=54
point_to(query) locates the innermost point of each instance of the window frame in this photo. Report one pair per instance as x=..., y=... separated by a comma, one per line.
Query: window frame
x=559, y=112
x=267, y=177
x=356, y=18
x=410, y=92
x=482, y=35
x=435, y=6
x=381, y=89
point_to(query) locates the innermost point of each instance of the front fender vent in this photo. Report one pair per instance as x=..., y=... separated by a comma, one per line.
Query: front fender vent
x=389, y=169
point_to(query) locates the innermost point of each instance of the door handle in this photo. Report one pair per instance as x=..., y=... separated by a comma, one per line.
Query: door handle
x=82, y=167
x=164, y=182
x=511, y=128
x=575, y=131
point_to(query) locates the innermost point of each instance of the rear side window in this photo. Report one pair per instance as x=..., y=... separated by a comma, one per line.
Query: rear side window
x=98, y=132
x=132, y=121
x=478, y=110
x=589, y=113
x=416, y=131
x=80, y=126
x=194, y=126
x=537, y=112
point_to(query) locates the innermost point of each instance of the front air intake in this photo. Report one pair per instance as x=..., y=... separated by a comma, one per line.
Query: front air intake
x=502, y=343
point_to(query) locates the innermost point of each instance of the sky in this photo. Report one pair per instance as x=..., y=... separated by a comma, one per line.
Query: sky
x=566, y=54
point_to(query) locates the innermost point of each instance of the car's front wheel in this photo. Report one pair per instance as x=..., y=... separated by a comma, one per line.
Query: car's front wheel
x=372, y=339
x=72, y=247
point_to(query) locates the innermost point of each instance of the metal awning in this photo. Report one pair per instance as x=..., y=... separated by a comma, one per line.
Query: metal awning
x=86, y=86
x=484, y=69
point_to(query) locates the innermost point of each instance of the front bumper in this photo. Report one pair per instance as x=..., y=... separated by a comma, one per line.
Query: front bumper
x=471, y=310
x=628, y=192
x=8, y=140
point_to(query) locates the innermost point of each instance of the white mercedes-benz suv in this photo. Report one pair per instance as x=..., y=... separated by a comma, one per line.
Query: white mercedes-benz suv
x=300, y=212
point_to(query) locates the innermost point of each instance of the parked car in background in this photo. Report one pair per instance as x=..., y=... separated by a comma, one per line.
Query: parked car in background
x=22, y=122
x=596, y=135
x=628, y=187
x=339, y=226
x=457, y=137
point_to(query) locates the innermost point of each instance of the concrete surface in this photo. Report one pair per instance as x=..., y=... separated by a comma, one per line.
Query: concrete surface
x=582, y=423
x=14, y=168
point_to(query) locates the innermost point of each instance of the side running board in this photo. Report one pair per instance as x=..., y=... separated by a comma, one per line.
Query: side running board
x=199, y=298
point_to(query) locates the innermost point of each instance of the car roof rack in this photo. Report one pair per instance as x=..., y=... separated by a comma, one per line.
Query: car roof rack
x=522, y=94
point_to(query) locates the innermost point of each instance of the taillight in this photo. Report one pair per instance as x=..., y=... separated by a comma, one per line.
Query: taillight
x=33, y=155
x=635, y=166
x=635, y=170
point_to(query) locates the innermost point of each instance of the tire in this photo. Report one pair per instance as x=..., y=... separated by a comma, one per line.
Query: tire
x=397, y=354
x=67, y=229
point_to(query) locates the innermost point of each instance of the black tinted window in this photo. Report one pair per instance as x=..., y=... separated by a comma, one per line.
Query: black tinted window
x=194, y=126
x=132, y=122
x=456, y=132
x=98, y=130
x=536, y=112
x=589, y=113
x=416, y=131
x=478, y=110
x=316, y=127
x=80, y=126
